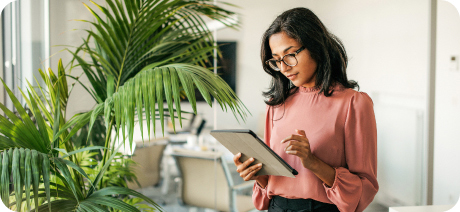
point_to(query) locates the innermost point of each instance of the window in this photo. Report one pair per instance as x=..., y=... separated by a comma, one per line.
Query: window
x=25, y=44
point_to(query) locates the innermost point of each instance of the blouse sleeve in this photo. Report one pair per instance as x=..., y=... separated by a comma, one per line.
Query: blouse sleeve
x=354, y=187
x=259, y=194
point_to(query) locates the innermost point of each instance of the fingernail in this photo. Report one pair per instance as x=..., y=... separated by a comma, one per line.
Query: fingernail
x=251, y=159
x=239, y=154
x=260, y=164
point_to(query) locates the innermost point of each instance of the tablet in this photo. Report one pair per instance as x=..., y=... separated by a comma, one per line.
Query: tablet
x=250, y=145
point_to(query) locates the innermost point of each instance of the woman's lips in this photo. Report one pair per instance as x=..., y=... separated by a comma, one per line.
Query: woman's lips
x=292, y=76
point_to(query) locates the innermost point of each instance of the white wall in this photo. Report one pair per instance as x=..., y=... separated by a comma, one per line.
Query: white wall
x=66, y=30
x=447, y=114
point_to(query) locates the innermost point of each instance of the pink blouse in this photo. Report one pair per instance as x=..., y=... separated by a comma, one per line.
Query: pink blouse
x=342, y=132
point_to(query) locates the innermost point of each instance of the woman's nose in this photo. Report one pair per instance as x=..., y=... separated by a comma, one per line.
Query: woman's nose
x=283, y=66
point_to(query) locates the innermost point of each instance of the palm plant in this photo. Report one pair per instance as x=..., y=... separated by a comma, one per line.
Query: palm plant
x=34, y=156
x=140, y=54
x=146, y=52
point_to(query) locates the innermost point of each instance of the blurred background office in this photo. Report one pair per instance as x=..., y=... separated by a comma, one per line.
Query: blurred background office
x=403, y=53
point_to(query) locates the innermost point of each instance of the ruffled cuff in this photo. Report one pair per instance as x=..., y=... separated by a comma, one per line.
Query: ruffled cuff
x=346, y=191
x=334, y=185
x=259, y=197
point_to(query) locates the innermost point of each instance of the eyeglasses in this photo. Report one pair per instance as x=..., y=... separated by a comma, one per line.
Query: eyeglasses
x=288, y=59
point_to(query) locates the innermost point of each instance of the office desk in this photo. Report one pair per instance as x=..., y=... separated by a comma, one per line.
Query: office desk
x=426, y=208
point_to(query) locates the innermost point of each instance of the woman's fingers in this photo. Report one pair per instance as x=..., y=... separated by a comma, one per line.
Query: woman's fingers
x=244, y=165
x=297, y=145
x=299, y=149
x=300, y=153
x=236, y=159
x=301, y=132
x=300, y=136
x=248, y=174
x=296, y=151
x=295, y=137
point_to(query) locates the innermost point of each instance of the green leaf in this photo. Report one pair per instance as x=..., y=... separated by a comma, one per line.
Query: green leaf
x=139, y=105
x=5, y=179
x=159, y=93
x=1, y=168
x=68, y=178
x=168, y=94
x=46, y=177
x=110, y=85
x=109, y=191
x=57, y=116
x=35, y=159
x=147, y=101
x=22, y=171
x=176, y=93
x=59, y=206
x=17, y=176
x=20, y=133
x=63, y=83
x=38, y=98
x=96, y=112
x=80, y=150
x=103, y=170
x=28, y=176
x=42, y=128
x=113, y=203
x=6, y=142
x=77, y=122
x=187, y=84
x=91, y=206
x=152, y=96
x=29, y=126
x=74, y=166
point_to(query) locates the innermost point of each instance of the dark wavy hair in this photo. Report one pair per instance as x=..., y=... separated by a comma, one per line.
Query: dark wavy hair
x=325, y=48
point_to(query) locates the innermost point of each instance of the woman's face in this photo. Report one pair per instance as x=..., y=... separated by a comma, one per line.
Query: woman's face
x=304, y=73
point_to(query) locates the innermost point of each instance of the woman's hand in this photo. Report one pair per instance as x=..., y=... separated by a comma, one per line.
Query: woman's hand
x=299, y=146
x=248, y=172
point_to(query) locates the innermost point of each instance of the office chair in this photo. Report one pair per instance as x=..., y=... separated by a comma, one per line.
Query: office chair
x=206, y=182
x=148, y=155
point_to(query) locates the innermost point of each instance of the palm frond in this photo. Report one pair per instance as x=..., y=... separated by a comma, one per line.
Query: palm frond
x=23, y=132
x=24, y=166
x=165, y=83
x=59, y=206
x=5, y=179
x=120, y=190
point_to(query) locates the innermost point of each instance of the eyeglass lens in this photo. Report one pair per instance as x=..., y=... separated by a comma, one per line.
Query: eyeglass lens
x=289, y=60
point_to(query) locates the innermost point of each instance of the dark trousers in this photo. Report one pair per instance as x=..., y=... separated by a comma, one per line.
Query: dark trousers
x=281, y=204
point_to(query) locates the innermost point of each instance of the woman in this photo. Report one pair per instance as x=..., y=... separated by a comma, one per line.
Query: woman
x=315, y=121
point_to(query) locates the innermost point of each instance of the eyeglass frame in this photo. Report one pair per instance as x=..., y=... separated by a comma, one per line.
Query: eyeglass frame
x=282, y=59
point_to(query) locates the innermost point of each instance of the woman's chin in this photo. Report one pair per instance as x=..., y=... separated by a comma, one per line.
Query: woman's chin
x=296, y=83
